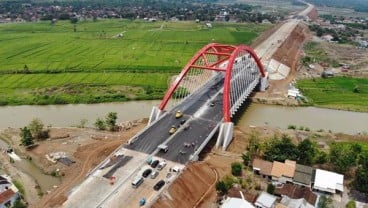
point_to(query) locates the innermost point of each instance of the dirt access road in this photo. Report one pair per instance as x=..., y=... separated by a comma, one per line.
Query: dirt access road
x=87, y=147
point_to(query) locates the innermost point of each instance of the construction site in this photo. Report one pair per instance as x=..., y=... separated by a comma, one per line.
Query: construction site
x=95, y=155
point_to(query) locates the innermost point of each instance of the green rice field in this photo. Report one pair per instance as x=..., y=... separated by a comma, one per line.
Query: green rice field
x=96, y=46
x=340, y=92
x=103, y=61
x=63, y=88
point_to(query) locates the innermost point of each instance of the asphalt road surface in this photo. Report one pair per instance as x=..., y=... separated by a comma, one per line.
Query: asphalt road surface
x=202, y=110
x=199, y=115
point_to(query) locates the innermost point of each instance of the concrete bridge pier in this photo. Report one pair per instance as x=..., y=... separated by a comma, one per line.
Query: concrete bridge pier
x=155, y=114
x=264, y=82
x=225, y=135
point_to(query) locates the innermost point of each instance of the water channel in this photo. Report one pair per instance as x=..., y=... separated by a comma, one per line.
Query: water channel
x=46, y=182
x=255, y=114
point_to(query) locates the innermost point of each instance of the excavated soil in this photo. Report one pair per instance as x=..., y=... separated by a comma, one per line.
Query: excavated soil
x=288, y=54
x=87, y=147
x=189, y=188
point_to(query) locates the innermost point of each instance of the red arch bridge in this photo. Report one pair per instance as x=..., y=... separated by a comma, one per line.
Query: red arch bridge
x=200, y=102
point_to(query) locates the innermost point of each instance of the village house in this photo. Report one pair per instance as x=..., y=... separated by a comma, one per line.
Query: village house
x=8, y=192
x=303, y=175
x=265, y=200
x=296, y=196
x=262, y=167
x=328, y=182
x=283, y=172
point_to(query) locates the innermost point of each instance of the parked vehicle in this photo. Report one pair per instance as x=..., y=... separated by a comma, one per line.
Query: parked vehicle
x=159, y=185
x=154, y=163
x=154, y=174
x=137, y=182
x=161, y=165
x=147, y=172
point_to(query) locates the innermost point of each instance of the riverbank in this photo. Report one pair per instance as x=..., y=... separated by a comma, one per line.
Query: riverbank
x=85, y=146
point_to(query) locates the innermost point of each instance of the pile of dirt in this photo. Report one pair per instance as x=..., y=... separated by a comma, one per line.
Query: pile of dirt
x=189, y=187
x=289, y=51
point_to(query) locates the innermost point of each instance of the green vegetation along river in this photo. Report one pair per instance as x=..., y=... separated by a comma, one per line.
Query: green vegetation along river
x=339, y=92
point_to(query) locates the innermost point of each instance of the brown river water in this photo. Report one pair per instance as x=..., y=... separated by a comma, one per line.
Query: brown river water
x=254, y=115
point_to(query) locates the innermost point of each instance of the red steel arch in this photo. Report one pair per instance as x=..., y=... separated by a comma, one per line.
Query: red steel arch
x=224, y=53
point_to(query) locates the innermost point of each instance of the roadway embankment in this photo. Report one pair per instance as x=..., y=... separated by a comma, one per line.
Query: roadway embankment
x=189, y=188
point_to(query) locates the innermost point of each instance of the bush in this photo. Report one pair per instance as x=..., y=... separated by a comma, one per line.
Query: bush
x=236, y=168
x=19, y=204
x=292, y=127
x=222, y=188
x=351, y=204
x=19, y=186
x=53, y=173
x=100, y=124
x=246, y=158
x=270, y=188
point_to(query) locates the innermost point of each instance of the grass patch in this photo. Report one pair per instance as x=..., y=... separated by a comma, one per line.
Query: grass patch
x=63, y=88
x=19, y=186
x=315, y=53
x=339, y=92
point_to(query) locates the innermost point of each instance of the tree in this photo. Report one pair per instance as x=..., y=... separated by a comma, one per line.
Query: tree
x=361, y=176
x=324, y=202
x=321, y=157
x=306, y=152
x=351, y=204
x=111, y=120
x=36, y=128
x=344, y=156
x=281, y=149
x=73, y=20
x=222, y=187
x=100, y=124
x=236, y=168
x=270, y=188
x=19, y=204
x=26, y=136
x=253, y=145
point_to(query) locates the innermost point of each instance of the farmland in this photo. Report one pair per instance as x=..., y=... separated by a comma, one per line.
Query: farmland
x=339, y=92
x=44, y=63
x=96, y=46
x=63, y=88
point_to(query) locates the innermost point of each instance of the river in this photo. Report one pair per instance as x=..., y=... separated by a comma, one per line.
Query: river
x=254, y=114
x=71, y=115
x=311, y=117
